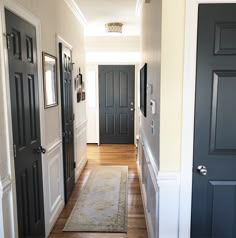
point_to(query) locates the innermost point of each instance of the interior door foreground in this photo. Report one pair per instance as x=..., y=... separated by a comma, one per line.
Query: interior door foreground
x=24, y=90
x=214, y=171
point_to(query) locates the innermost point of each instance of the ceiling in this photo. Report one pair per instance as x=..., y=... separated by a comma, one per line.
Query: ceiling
x=99, y=12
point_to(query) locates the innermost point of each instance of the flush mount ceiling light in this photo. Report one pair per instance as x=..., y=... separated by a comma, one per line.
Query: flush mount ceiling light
x=115, y=27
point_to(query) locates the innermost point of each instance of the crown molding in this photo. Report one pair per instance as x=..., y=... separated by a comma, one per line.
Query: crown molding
x=77, y=12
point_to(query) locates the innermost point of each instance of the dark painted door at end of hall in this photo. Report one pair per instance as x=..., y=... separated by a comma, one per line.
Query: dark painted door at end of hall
x=116, y=104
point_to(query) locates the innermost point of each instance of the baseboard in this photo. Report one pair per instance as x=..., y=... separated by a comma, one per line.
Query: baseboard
x=80, y=168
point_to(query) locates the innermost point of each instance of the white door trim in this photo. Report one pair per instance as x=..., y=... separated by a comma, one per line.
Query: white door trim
x=190, y=53
x=20, y=11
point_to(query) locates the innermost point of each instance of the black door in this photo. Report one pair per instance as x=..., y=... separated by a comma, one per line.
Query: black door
x=21, y=42
x=214, y=171
x=67, y=118
x=116, y=104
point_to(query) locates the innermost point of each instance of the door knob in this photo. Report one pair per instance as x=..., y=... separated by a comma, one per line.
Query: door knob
x=40, y=150
x=202, y=170
x=131, y=109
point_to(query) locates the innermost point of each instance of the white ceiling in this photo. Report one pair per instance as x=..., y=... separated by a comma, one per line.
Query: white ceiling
x=99, y=12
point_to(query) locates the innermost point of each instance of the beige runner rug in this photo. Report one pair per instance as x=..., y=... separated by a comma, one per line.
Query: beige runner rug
x=102, y=204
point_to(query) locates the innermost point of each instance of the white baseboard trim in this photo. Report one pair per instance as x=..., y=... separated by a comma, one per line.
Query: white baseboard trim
x=80, y=168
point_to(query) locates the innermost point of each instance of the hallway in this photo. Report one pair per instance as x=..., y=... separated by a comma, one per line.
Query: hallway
x=105, y=155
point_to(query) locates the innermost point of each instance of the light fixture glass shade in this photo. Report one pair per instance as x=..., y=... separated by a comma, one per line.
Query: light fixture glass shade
x=114, y=27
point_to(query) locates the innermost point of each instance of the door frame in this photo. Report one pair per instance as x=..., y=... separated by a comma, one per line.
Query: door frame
x=20, y=11
x=188, y=114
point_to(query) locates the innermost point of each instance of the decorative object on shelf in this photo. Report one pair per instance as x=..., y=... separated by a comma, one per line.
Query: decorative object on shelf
x=50, y=80
x=115, y=27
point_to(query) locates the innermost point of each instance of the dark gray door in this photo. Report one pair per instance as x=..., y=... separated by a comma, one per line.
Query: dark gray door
x=24, y=89
x=116, y=104
x=67, y=118
x=214, y=187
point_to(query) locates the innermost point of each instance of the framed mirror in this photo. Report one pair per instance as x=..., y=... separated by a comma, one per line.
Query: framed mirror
x=50, y=80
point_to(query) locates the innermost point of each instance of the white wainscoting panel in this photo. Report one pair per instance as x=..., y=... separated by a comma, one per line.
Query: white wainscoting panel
x=149, y=190
x=169, y=191
x=7, y=220
x=80, y=148
x=160, y=194
x=53, y=186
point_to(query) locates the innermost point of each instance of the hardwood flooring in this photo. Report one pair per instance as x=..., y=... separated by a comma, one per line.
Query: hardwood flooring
x=100, y=156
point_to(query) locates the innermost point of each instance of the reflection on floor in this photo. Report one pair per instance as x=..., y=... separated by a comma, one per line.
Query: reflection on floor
x=101, y=156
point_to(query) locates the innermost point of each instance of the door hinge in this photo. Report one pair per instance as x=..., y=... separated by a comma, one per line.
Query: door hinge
x=14, y=150
x=74, y=165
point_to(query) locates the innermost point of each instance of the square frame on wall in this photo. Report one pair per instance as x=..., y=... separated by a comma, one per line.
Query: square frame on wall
x=50, y=80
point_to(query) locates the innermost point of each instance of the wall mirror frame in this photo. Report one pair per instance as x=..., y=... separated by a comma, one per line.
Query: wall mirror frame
x=50, y=80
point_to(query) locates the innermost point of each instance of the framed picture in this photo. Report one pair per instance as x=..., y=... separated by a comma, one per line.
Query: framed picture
x=50, y=80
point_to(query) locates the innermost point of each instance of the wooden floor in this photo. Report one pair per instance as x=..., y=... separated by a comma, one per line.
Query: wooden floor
x=109, y=155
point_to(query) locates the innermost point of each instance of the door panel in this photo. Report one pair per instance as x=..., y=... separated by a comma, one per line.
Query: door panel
x=116, y=104
x=67, y=118
x=213, y=195
x=24, y=90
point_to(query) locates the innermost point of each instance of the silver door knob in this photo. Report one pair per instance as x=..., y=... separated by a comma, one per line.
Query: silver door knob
x=202, y=170
x=131, y=109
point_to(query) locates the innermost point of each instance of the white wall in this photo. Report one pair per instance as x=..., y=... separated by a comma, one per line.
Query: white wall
x=55, y=18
